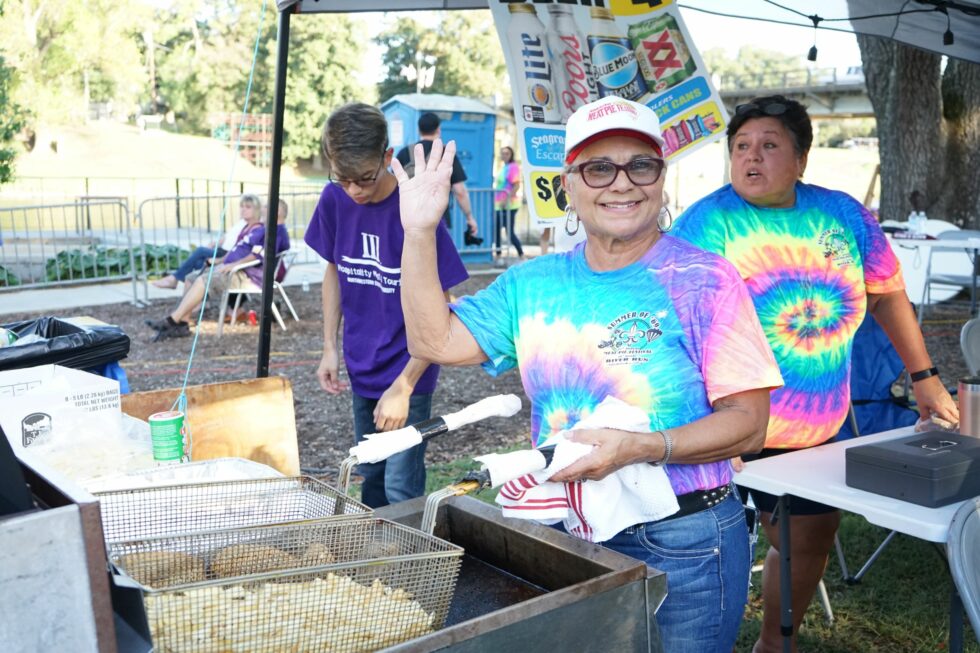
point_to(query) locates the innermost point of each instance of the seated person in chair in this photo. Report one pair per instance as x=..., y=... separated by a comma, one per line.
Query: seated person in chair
x=249, y=248
x=249, y=209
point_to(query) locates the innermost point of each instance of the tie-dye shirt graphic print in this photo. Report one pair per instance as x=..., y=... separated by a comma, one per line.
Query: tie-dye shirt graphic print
x=669, y=334
x=808, y=269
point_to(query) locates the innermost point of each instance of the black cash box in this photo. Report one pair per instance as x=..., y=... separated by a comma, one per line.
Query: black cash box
x=931, y=469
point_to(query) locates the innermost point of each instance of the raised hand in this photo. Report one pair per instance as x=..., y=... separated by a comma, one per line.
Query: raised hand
x=425, y=196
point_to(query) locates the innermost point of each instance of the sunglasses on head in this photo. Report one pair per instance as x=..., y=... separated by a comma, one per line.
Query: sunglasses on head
x=774, y=108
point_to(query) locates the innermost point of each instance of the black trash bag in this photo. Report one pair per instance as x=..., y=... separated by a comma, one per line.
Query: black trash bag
x=65, y=344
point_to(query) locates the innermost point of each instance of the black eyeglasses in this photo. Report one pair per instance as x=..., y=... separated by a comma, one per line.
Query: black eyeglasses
x=600, y=174
x=363, y=181
x=770, y=108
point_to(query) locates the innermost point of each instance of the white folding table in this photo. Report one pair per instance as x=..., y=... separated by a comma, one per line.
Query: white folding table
x=818, y=474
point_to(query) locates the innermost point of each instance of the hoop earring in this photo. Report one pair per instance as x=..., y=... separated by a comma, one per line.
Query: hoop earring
x=665, y=216
x=569, y=216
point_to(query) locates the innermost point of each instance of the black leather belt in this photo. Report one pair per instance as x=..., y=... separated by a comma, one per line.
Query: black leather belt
x=693, y=502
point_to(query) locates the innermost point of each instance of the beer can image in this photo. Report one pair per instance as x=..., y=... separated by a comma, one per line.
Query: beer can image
x=661, y=52
x=167, y=435
x=613, y=59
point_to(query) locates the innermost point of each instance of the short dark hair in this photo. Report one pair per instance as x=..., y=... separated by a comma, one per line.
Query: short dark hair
x=428, y=123
x=353, y=135
x=791, y=113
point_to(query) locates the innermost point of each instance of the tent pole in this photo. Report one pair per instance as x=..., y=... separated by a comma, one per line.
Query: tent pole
x=272, y=212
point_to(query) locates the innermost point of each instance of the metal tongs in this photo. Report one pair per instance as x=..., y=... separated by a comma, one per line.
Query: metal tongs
x=507, y=467
x=380, y=446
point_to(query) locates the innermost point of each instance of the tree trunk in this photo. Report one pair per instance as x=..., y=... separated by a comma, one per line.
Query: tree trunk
x=928, y=130
x=960, y=198
x=904, y=87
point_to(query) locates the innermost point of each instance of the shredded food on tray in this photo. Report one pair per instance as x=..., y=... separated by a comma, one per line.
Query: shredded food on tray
x=324, y=614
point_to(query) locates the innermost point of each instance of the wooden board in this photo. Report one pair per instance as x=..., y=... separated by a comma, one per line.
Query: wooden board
x=252, y=418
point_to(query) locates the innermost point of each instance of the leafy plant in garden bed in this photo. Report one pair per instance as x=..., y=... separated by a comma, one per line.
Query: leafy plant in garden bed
x=8, y=278
x=98, y=261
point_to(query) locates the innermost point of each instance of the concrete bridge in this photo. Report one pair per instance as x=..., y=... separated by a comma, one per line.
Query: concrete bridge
x=827, y=92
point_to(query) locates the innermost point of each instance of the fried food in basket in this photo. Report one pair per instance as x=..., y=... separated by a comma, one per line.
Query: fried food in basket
x=333, y=614
x=317, y=554
x=244, y=559
x=163, y=568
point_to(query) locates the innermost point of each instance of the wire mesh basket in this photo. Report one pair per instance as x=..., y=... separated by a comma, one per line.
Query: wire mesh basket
x=327, y=585
x=171, y=509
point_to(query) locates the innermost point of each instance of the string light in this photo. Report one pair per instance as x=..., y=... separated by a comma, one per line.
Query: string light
x=812, y=54
x=948, y=34
x=936, y=5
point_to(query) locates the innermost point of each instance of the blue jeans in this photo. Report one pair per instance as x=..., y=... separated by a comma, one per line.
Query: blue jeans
x=504, y=219
x=402, y=476
x=707, y=560
x=196, y=261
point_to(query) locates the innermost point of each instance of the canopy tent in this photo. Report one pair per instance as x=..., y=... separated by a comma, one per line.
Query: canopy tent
x=922, y=24
x=919, y=23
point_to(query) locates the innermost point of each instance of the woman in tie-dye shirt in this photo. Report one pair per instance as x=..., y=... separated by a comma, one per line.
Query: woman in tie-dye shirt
x=814, y=261
x=634, y=314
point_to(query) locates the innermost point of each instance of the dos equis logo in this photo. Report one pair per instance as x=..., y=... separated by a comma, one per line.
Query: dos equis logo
x=630, y=337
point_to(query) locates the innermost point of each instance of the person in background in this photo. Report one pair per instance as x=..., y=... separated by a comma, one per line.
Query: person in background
x=633, y=314
x=357, y=229
x=814, y=261
x=249, y=208
x=545, y=241
x=429, y=130
x=506, y=201
x=250, y=247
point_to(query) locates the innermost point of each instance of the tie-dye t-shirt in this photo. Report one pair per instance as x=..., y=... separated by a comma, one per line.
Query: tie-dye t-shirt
x=670, y=334
x=809, y=269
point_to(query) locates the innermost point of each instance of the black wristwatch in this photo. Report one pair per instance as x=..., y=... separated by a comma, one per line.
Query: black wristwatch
x=923, y=374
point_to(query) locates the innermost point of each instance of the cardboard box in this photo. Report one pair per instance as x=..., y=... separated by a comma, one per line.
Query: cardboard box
x=252, y=419
x=35, y=401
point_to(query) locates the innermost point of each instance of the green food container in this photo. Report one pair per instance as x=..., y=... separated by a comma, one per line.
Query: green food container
x=167, y=434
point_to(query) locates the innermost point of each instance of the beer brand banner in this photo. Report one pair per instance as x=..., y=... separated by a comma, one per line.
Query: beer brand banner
x=562, y=54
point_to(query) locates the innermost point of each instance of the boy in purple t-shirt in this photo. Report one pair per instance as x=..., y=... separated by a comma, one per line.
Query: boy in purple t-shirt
x=357, y=228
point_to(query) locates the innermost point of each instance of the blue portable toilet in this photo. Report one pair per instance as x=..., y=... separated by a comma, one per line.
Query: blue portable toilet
x=471, y=124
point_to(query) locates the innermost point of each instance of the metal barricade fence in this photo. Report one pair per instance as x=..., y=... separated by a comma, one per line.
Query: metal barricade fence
x=169, y=228
x=93, y=239
x=495, y=232
x=85, y=241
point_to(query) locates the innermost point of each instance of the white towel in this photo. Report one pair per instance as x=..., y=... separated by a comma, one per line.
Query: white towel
x=593, y=510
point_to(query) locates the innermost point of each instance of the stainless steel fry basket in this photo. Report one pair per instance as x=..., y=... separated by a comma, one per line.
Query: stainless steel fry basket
x=171, y=509
x=328, y=585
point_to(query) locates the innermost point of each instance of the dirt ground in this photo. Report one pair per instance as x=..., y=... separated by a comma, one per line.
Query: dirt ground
x=323, y=421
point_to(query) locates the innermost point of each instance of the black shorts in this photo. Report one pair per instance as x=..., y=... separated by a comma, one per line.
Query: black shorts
x=766, y=502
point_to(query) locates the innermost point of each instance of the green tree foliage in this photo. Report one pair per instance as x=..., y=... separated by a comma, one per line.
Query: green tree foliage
x=70, y=53
x=10, y=124
x=753, y=66
x=464, y=45
x=204, y=54
x=325, y=58
x=836, y=133
x=202, y=51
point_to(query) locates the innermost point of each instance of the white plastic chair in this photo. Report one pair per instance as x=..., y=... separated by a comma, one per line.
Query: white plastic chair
x=242, y=285
x=963, y=551
x=955, y=281
x=970, y=344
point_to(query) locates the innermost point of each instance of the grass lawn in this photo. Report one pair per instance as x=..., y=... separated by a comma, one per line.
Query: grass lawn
x=900, y=606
